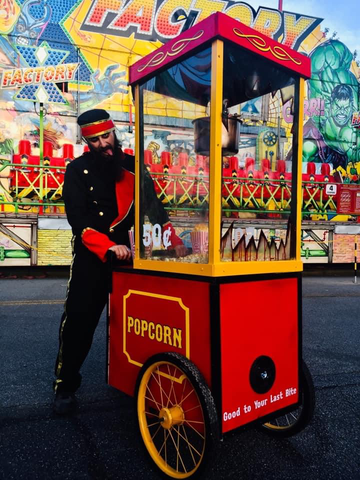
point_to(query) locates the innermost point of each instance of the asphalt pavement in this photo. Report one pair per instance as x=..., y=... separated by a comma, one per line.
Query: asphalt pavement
x=101, y=441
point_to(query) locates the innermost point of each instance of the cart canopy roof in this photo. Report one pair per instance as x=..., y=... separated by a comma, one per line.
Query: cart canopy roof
x=254, y=64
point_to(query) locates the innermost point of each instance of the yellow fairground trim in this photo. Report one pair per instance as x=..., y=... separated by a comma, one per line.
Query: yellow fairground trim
x=216, y=108
x=299, y=168
x=137, y=171
x=221, y=269
x=144, y=429
x=174, y=267
x=257, y=268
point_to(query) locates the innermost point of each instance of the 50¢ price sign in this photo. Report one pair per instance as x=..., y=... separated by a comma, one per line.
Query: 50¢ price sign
x=153, y=234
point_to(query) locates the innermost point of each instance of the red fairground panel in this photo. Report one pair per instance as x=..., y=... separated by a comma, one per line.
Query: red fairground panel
x=259, y=349
x=221, y=26
x=348, y=200
x=151, y=315
x=264, y=46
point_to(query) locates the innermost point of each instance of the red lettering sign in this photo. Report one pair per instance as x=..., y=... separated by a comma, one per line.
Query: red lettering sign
x=35, y=76
x=153, y=20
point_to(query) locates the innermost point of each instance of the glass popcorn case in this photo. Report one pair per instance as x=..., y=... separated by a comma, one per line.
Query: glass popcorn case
x=231, y=191
x=205, y=327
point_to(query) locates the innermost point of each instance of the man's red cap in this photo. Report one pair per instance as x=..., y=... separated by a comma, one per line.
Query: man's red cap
x=95, y=122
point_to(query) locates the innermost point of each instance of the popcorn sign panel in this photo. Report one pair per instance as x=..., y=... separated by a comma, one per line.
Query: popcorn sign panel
x=154, y=320
x=153, y=314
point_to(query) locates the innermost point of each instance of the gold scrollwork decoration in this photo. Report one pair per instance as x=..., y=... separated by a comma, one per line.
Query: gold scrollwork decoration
x=175, y=49
x=260, y=43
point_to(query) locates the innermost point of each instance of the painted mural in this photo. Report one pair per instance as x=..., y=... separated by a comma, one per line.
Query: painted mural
x=58, y=59
x=330, y=135
x=73, y=55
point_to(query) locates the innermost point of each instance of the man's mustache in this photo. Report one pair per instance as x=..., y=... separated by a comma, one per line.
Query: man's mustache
x=105, y=149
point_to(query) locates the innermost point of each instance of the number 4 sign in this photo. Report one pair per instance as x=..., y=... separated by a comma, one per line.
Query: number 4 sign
x=331, y=189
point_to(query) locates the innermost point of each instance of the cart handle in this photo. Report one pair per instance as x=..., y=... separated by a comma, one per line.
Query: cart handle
x=112, y=262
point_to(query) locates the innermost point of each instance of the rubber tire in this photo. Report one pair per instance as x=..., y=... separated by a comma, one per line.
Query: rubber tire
x=209, y=414
x=305, y=414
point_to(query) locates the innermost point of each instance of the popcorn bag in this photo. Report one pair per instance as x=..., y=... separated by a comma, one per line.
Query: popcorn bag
x=148, y=250
x=199, y=242
x=132, y=242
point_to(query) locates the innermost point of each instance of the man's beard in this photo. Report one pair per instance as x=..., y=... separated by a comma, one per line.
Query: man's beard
x=115, y=157
x=112, y=164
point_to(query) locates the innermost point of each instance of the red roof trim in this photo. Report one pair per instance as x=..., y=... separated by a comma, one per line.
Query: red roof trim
x=222, y=26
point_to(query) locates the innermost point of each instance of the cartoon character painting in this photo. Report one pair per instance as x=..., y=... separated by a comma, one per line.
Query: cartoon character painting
x=104, y=38
x=331, y=138
x=28, y=27
x=26, y=30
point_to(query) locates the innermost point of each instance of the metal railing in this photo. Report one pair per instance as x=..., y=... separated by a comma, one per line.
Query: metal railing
x=31, y=188
x=38, y=189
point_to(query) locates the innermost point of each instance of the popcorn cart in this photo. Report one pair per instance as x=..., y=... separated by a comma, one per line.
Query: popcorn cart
x=212, y=341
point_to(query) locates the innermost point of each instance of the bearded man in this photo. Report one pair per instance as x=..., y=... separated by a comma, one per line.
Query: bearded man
x=99, y=200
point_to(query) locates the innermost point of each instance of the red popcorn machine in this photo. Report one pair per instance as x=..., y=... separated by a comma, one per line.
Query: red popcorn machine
x=212, y=341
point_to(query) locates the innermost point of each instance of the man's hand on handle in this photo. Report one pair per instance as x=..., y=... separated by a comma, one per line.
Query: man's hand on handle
x=122, y=252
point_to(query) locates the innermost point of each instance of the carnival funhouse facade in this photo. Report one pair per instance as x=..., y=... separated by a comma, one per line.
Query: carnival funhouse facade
x=59, y=59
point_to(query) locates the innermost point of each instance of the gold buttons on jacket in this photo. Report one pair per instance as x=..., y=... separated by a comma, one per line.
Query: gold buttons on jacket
x=111, y=230
x=86, y=172
x=91, y=189
x=101, y=214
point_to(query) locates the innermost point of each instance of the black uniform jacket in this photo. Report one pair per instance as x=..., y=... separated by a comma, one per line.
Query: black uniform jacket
x=99, y=203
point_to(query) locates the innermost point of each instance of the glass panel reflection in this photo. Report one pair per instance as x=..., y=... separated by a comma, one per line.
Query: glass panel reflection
x=173, y=102
x=257, y=180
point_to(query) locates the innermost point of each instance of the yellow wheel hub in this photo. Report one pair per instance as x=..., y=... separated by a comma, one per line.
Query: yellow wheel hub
x=171, y=416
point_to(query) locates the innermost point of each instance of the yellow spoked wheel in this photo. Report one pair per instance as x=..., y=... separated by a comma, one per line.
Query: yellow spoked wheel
x=177, y=415
x=296, y=420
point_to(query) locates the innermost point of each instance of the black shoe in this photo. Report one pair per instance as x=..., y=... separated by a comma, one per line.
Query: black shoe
x=65, y=403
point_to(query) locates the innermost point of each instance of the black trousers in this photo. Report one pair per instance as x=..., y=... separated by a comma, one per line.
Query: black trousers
x=86, y=298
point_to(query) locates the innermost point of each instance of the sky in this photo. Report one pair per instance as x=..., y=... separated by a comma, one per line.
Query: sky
x=341, y=16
